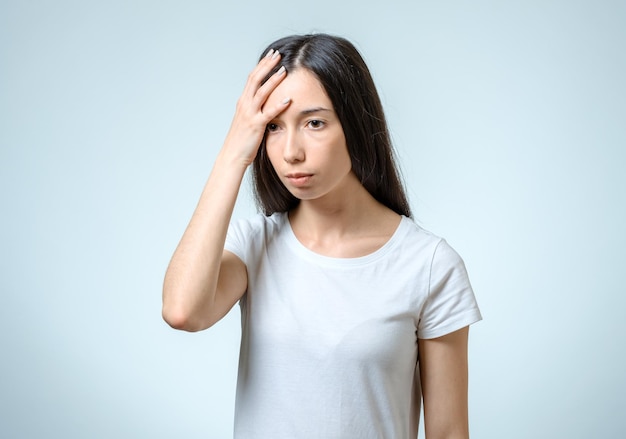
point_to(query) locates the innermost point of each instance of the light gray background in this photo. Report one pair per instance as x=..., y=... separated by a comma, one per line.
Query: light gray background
x=509, y=120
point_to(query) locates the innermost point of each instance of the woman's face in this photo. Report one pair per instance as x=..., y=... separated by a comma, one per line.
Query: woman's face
x=305, y=143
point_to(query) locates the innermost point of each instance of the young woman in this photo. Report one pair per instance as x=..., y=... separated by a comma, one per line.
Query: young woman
x=351, y=313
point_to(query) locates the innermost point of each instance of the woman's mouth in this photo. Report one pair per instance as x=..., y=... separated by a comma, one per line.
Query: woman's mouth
x=299, y=179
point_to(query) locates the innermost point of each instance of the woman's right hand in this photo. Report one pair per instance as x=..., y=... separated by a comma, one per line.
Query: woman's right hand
x=251, y=116
x=203, y=281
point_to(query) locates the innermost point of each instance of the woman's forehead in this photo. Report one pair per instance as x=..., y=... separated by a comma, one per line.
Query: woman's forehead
x=303, y=88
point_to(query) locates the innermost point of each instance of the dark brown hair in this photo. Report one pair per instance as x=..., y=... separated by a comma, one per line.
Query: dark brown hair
x=341, y=70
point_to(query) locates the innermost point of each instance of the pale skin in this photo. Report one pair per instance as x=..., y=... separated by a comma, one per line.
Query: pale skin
x=336, y=217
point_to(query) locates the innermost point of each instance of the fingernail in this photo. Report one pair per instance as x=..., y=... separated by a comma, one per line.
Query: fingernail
x=269, y=53
x=286, y=101
x=281, y=70
x=275, y=55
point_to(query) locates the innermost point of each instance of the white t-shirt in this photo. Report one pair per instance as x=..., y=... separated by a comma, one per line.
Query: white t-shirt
x=329, y=345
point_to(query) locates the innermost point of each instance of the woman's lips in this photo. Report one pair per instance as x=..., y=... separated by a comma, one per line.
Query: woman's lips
x=299, y=179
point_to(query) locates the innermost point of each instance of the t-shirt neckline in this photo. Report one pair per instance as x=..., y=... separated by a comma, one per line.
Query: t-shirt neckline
x=318, y=258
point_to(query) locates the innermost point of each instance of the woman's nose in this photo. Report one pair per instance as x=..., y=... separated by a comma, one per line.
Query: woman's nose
x=293, y=150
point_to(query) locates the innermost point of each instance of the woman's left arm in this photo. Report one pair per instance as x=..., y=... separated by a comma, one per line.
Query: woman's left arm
x=443, y=373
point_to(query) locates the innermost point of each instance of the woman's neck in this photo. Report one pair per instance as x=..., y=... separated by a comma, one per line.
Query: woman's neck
x=356, y=226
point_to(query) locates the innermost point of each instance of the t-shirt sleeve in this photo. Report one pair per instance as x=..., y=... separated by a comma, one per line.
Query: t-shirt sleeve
x=246, y=237
x=451, y=304
x=237, y=238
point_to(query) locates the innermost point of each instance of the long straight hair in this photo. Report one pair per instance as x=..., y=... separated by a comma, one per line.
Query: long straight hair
x=347, y=81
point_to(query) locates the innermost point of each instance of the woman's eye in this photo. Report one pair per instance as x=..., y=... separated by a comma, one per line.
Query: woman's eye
x=316, y=123
x=271, y=127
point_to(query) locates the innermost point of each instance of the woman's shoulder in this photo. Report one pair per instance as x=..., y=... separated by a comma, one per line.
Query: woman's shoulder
x=247, y=236
x=258, y=224
x=414, y=232
x=418, y=240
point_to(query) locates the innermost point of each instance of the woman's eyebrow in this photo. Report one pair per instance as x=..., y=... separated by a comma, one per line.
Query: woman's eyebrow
x=314, y=110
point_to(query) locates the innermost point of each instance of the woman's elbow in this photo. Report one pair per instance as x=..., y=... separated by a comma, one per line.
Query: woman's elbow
x=179, y=319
